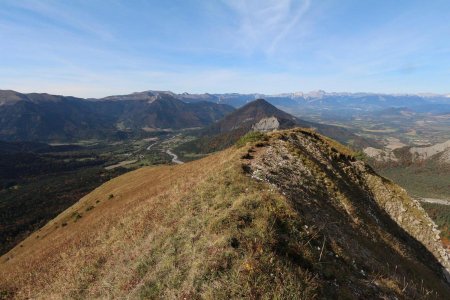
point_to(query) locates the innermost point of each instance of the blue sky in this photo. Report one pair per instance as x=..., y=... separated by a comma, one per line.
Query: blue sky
x=94, y=48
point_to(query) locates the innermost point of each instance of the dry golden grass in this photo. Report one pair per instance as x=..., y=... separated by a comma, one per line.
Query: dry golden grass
x=164, y=232
x=199, y=230
x=64, y=259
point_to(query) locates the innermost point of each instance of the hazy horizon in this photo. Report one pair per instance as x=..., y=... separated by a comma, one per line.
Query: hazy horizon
x=422, y=94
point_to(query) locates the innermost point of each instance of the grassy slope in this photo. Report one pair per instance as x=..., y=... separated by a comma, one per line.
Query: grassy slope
x=159, y=246
x=183, y=231
x=38, y=181
x=34, y=203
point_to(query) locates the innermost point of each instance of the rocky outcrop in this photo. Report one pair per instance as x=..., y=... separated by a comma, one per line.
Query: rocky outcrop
x=380, y=155
x=408, y=155
x=422, y=153
x=409, y=214
x=266, y=124
x=358, y=211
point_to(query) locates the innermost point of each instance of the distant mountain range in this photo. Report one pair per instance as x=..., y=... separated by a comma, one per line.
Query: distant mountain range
x=366, y=101
x=44, y=117
x=329, y=106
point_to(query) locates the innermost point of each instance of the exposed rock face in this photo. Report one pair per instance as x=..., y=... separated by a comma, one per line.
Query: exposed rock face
x=409, y=214
x=414, y=154
x=445, y=157
x=266, y=124
x=380, y=155
x=422, y=153
x=358, y=210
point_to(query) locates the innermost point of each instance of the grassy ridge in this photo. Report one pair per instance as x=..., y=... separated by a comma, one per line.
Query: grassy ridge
x=209, y=229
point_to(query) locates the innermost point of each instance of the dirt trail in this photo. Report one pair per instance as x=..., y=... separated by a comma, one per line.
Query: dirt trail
x=174, y=157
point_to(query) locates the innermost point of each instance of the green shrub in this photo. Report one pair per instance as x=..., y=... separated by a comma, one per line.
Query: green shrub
x=4, y=294
x=360, y=155
x=252, y=136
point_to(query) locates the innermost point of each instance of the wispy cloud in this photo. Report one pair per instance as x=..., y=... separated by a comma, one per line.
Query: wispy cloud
x=262, y=25
x=60, y=14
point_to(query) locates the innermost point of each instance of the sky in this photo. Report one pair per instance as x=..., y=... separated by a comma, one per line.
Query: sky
x=95, y=48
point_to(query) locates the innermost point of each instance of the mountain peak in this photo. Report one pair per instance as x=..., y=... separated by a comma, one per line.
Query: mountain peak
x=245, y=117
x=262, y=104
x=10, y=97
x=260, y=101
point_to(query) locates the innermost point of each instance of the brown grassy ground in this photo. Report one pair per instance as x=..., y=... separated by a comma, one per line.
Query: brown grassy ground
x=199, y=230
x=155, y=232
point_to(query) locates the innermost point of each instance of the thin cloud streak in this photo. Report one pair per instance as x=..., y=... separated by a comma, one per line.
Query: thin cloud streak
x=301, y=11
x=57, y=12
x=263, y=24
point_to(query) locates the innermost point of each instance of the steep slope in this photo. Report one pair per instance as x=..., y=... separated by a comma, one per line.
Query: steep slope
x=247, y=116
x=39, y=181
x=43, y=117
x=290, y=215
x=166, y=111
x=260, y=115
x=31, y=117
